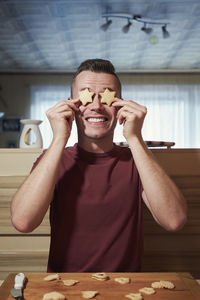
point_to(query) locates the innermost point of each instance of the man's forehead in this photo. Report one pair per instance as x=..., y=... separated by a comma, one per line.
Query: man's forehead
x=87, y=78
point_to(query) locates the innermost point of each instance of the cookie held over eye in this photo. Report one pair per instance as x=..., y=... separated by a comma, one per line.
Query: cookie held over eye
x=85, y=96
x=107, y=96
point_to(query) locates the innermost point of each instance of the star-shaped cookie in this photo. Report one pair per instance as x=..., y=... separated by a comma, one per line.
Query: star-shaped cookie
x=85, y=96
x=107, y=96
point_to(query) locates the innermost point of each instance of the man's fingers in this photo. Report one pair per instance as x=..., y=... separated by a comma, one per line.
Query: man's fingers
x=62, y=108
x=66, y=114
x=130, y=109
x=129, y=103
x=60, y=112
x=63, y=105
x=76, y=102
x=124, y=115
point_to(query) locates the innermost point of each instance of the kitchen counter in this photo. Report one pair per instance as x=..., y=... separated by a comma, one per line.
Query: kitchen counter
x=186, y=287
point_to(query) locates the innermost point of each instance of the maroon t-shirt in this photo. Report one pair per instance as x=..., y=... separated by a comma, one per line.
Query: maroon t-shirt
x=96, y=213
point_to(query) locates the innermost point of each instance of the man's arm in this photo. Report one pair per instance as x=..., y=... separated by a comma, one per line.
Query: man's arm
x=160, y=194
x=31, y=201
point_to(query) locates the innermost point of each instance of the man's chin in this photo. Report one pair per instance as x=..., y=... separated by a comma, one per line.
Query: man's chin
x=96, y=136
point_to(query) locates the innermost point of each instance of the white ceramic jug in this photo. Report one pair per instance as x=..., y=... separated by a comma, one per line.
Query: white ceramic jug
x=28, y=126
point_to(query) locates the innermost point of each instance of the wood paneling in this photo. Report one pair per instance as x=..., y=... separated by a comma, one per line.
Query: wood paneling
x=6, y=227
x=25, y=261
x=8, y=187
x=17, y=162
x=178, y=251
x=163, y=251
x=11, y=181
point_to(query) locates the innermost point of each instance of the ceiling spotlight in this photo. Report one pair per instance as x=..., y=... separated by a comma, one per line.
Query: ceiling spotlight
x=146, y=29
x=126, y=28
x=165, y=32
x=105, y=26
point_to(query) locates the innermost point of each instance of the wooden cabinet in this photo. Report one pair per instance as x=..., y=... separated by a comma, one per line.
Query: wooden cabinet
x=163, y=251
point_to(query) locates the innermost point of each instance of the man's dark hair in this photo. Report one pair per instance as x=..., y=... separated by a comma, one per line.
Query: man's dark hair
x=96, y=65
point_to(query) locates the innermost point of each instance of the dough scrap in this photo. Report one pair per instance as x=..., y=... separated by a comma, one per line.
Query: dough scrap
x=89, y=294
x=51, y=277
x=147, y=290
x=100, y=276
x=156, y=285
x=163, y=284
x=134, y=296
x=54, y=296
x=122, y=280
x=167, y=284
x=70, y=282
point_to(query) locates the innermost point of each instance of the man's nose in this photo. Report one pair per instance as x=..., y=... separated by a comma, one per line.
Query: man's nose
x=96, y=103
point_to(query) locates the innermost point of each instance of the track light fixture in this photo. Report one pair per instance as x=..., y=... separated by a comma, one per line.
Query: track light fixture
x=146, y=29
x=165, y=32
x=136, y=18
x=105, y=26
x=126, y=28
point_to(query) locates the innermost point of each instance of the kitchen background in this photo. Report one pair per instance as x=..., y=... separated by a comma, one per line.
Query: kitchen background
x=154, y=45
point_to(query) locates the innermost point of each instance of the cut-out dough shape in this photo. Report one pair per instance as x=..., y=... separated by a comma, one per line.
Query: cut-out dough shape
x=85, y=96
x=107, y=96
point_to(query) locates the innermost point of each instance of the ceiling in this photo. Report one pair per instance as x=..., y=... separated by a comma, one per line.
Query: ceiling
x=57, y=35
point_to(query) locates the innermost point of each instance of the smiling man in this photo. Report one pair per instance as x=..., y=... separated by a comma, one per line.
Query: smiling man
x=95, y=189
x=95, y=121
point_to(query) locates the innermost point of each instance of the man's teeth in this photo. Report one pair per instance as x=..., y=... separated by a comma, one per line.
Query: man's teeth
x=96, y=120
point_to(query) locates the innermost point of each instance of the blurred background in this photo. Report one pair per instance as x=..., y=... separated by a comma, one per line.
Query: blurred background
x=154, y=46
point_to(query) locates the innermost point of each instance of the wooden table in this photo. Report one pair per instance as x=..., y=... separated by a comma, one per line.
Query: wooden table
x=186, y=288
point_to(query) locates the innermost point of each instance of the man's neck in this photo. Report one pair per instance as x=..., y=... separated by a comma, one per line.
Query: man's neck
x=96, y=146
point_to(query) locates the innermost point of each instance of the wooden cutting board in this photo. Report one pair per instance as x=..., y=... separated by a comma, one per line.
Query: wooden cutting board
x=186, y=287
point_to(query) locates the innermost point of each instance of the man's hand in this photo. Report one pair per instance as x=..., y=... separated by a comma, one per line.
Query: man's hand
x=132, y=115
x=160, y=194
x=33, y=198
x=61, y=117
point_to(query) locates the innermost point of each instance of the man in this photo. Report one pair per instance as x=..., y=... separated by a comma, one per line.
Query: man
x=95, y=189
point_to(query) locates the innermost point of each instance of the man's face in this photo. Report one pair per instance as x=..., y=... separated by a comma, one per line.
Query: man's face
x=95, y=120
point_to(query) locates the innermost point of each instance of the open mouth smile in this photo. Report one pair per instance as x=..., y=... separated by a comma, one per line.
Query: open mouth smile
x=96, y=120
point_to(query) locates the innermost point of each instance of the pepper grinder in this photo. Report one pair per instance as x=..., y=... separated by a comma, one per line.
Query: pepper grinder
x=30, y=125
